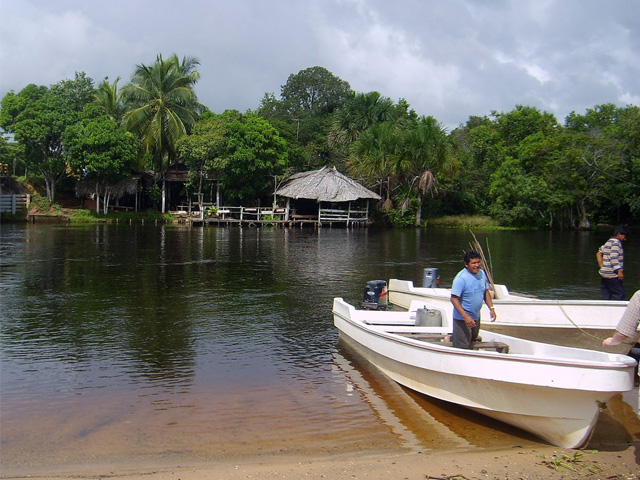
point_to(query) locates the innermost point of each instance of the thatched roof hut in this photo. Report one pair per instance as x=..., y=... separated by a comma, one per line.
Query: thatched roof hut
x=309, y=190
x=325, y=185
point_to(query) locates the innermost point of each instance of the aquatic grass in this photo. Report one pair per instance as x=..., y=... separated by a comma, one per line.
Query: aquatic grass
x=465, y=221
x=572, y=463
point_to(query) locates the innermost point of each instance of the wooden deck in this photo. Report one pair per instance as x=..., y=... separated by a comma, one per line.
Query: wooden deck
x=205, y=214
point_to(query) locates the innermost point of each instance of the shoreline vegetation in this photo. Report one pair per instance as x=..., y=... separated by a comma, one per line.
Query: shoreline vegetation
x=69, y=211
x=523, y=168
x=82, y=215
x=78, y=215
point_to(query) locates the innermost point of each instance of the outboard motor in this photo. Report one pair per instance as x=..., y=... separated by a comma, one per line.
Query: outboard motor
x=375, y=295
x=431, y=278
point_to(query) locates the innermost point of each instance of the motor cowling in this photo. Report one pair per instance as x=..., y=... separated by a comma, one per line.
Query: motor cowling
x=431, y=278
x=375, y=295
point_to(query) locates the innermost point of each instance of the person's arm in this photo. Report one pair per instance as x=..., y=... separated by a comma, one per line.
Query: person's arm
x=469, y=322
x=489, y=301
x=617, y=339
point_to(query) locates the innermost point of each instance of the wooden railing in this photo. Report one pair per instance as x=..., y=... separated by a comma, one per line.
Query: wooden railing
x=345, y=216
x=265, y=214
x=11, y=203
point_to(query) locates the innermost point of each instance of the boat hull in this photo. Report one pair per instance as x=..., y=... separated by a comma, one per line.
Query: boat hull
x=573, y=323
x=558, y=400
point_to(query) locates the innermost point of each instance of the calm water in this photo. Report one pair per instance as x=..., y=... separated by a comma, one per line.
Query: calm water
x=136, y=345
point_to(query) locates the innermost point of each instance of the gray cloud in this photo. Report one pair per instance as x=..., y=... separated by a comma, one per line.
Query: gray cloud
x=448, y=59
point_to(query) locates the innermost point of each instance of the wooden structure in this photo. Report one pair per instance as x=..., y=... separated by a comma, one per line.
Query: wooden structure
x=326, y=196
x=319, y=197
x=12, y=203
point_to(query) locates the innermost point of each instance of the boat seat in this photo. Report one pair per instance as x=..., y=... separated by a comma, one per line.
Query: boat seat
x=425, y=337
x=499, y=347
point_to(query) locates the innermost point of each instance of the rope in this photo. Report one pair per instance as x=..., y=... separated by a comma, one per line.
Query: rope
x=583, y=330
x=476, y=246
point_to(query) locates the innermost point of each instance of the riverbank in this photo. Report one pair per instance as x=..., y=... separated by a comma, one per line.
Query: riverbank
x=540, y=463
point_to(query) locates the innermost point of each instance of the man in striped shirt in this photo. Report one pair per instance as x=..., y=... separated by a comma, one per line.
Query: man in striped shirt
x=611, y=260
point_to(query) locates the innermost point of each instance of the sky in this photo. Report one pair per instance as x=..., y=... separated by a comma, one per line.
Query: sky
x=450, y=59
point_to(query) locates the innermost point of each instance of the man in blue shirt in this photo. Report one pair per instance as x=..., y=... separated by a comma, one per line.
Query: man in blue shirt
x=469, y=290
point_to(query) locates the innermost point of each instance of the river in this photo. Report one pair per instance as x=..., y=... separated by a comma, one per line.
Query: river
x=152, y=344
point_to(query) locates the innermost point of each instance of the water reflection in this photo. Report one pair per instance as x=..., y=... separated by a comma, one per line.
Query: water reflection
x=127, y=340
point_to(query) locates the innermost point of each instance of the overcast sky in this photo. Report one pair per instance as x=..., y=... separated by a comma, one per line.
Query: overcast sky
x=449, y=58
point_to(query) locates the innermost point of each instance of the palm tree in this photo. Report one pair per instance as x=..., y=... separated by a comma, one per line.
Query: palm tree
x=359, y=113
x=162, y=108
x=374, y=156
x=110, y=100
x=425, y=151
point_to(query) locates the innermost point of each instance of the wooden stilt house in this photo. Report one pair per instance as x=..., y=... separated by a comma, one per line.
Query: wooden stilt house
x=326, y=196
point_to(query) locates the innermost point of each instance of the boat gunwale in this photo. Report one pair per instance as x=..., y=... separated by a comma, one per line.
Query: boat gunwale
x=411, y=290
x=378, y=330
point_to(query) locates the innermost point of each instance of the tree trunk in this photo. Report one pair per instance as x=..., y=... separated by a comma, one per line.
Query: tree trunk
x=50, y=185
x=584, y=222
x=419, y=212
x=164, y=195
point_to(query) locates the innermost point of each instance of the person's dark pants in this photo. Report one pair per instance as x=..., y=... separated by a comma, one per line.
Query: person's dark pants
x=463, y=336
x=612, y=289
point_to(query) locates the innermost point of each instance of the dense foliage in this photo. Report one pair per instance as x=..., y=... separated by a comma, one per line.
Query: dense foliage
x=523, y=167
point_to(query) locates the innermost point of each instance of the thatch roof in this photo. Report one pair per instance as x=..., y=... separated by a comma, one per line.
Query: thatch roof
x=129, y=185
x=325, y=185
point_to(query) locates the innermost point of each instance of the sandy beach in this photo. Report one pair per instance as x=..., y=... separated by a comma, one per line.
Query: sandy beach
x=544, y=462
x=492, y=452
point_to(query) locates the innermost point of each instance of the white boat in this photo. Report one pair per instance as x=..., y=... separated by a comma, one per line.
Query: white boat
x=574, y=323
x=554, y=392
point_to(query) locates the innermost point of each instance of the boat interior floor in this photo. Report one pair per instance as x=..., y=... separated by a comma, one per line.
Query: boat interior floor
x=443, y=340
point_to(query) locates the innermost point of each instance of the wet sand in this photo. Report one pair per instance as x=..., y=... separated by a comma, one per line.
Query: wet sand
x=543, y=462
x=483, y=450
x=378, y=430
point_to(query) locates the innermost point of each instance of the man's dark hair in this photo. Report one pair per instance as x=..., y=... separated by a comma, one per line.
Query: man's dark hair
x=470, y=255
x=622, y=230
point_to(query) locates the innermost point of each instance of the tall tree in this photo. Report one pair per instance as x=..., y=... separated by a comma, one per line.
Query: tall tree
x=308, y=100
x=110, y=99
x=610, y=141
x=38, y=116
x=162, y=108
x=374, y=157
x=254, y=152
x=204, y=150
x=313, y=92
x=425, y=152
x=359, y=113
x=101, y=151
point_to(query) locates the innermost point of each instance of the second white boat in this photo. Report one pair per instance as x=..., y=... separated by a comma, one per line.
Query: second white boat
x=574, y=323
